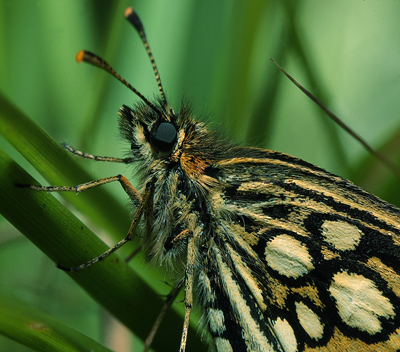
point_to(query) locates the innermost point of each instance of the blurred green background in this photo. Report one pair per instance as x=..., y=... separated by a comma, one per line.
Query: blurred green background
x=216, y=55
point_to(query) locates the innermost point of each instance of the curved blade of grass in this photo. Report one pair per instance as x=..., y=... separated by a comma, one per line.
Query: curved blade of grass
x=35, y=329
x=65, y=239
x=59, y=168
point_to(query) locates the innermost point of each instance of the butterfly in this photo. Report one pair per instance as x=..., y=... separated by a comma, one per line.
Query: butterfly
x=279, y=254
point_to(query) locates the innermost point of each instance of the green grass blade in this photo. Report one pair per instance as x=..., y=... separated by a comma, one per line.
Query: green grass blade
x=38, y=331
x=59, y=234
x=59, y=168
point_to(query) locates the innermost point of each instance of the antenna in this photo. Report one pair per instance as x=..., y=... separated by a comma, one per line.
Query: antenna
x=134, y=19
x=90, y=58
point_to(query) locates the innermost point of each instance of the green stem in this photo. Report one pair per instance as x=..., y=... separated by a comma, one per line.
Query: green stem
x=65, y=239
x=36, y=330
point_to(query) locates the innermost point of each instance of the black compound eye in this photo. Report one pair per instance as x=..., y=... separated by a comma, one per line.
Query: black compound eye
x=163, y=136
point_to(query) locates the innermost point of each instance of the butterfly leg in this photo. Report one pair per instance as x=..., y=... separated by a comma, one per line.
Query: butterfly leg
x=126, y=185
x=189, y=278
x=142, y=201
x=168, y=302
x=96, y=157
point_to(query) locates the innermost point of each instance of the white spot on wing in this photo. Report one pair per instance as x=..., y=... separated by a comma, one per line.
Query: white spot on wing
x=285, y=335
x=359, y=302
x=310, y=321
x=288, y=256
x=341, y=234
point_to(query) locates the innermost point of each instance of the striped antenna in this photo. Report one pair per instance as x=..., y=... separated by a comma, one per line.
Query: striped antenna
x=134, y=19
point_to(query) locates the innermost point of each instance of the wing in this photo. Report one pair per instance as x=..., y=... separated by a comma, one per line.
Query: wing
x=302, y=260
